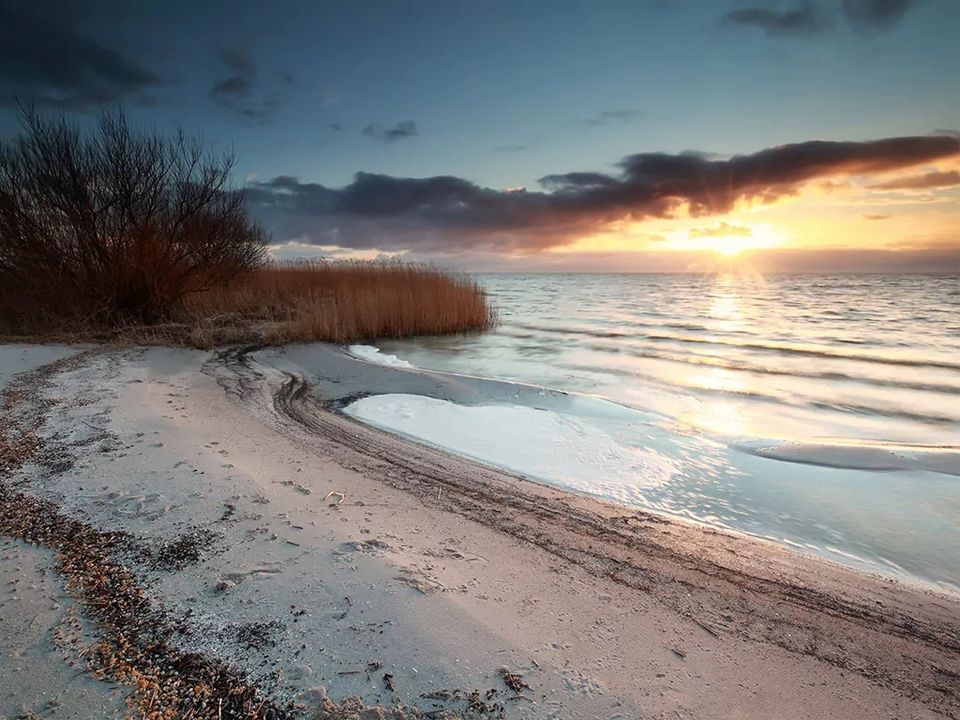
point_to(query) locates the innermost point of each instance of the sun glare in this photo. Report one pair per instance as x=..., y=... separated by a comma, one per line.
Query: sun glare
x=727, y=245
x=730, y=246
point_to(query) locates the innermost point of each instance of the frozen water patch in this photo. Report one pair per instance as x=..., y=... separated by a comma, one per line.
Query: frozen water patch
x=373, y=354
x=887, y=509
x=573, y=452
x=858, y=457
x=18, y=358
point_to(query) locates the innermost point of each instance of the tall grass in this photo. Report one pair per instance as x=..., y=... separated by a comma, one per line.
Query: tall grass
x=337, y=302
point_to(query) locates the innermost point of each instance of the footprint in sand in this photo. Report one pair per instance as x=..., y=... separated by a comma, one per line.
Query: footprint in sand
x=238, y=576
x=420, y=581
x=575, y=681
x=371, y=547
x=150, y=507
x=296, y=486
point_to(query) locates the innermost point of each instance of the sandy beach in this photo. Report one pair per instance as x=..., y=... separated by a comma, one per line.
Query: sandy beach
x=180, y=519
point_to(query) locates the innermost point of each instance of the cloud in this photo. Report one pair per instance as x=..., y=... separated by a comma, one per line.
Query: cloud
x=808, y=18
x=611, y=117
x=803, y=20
x=510, y=148
x=399, y=131
x=936, y=257
x=925, y=181
x=446, y=213
x=948, y=133
x=45, y=59
x=724, y=229
x=239, y=93
x=920, y=260
x=869, y=216
x=875, y=15
x=581, y=180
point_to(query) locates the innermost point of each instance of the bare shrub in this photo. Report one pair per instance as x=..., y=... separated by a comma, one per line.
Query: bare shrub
x=113, y=226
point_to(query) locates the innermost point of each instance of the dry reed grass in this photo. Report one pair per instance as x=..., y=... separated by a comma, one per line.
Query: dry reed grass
x=311, y=301
x=340, y=302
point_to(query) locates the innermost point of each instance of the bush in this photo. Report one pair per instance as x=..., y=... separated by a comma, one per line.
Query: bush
x=114, y=226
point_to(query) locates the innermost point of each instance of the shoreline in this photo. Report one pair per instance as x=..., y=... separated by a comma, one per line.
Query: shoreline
x=355, y=380
x=449, y=571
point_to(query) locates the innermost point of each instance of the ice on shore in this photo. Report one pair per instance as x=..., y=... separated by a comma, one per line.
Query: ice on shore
x=829, y=499
x=373, y=354
x=18, y=358
x=858, y=457
x=565, y=450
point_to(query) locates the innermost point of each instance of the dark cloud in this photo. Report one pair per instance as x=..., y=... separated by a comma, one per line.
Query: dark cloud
x=337, y=127
x=925, y=181
x=240, y=94
x=510, y=148
x=450, y=213
x=875, y=15
x=804, y=19
x=871, y=216
x=45, y=59
x=579, y=180
x=808, y=18
x=399, y=131
x=610, y=117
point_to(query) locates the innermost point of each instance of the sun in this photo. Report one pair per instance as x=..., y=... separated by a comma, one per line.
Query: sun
x=740, y=239
x=730, y=246
x=761, y=237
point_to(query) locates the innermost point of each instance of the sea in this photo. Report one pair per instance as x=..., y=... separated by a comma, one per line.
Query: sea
x=817, y=411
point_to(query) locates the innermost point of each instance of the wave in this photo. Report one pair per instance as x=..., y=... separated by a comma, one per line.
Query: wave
x=780, y=349
x=857, y=457
x=744, y=367
x=759, y=396
x=796, y=350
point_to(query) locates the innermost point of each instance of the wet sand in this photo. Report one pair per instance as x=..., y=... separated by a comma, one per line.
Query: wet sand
x=315, y=559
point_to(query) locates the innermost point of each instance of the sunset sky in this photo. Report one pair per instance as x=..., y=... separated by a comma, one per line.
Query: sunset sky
x=642, y=135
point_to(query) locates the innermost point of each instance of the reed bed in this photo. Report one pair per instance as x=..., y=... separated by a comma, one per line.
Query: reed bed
x=338, y=302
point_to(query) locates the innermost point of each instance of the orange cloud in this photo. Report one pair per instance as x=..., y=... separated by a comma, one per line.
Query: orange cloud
x=926, y=181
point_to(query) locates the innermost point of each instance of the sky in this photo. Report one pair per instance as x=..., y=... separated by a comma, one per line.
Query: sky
x=560, y=135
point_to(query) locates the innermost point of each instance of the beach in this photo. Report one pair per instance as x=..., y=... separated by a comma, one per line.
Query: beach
x=281, y=546
x=606, y=368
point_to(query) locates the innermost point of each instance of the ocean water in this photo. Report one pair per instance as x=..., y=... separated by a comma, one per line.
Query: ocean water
x=819, y=411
